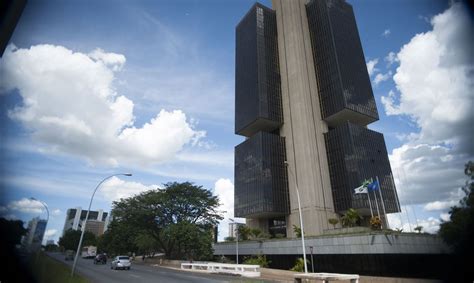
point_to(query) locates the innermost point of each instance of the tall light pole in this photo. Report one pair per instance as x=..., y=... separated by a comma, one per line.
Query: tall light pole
x=237, y=240
x=47, y=211
x=87, y=216
x=301, y=217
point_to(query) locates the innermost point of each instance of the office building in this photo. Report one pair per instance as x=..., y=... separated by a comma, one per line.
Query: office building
x=35, y=233
x=97, y=220
x=303, y=100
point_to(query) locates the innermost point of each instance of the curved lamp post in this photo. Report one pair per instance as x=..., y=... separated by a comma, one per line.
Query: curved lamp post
x=87, y=216
x=301, y=217
x=47, y=211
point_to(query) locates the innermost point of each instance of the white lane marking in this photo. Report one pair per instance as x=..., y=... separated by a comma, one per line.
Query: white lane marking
x=133, y=275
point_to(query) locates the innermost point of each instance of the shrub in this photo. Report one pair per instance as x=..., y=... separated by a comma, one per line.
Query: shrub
x=258, y=260
x=299, y=265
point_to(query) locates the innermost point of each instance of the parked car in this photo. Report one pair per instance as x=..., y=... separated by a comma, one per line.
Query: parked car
x=100, y=259
x=121, y=262
x=69, y=255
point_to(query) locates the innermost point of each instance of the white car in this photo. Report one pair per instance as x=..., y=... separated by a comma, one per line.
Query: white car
x=120, y=262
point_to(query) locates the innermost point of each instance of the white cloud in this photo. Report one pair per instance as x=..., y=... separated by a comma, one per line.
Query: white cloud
x=50, y=233
x=407, y=221
x=71, y=106
x=224, y=189
x=386, y=33
x=382, y=77
x=24, y=205
x=434, y=83
x=391, y=58
x=440, y=205
x=116, y=188
x=371, y=66
x=56, y=212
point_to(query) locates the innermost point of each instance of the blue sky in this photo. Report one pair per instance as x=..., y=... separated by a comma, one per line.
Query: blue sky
x=93, y=88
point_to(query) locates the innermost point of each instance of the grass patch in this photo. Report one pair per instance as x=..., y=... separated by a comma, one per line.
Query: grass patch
x=48, y=270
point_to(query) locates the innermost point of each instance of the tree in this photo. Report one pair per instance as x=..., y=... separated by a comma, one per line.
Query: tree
x=244, y=232
x=70, y=239
x=297, y=231
x=229, y=239
x=256, y=233
x=12, y=231
x=257, y=260
x=299, y=265
x=458, y=231
x=145, y=243
x=178, y=217
x=333, y=222
x=418, y=229
x=351, y=218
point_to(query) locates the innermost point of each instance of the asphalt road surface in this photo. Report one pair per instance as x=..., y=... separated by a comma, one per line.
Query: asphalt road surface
x=141, y=273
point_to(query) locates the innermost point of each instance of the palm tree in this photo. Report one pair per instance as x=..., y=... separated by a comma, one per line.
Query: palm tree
x=350, y=218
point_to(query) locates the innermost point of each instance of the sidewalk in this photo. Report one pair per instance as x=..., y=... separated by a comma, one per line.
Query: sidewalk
x=285, y=276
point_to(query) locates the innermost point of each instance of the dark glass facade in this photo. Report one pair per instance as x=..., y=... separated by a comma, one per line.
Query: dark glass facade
x=261, y=182
x=257, y=73
x=344, y=88
x=355, y=154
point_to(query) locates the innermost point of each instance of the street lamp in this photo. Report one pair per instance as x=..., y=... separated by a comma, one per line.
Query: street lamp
x=301, y=217
x=237, y=240
x=87, y=216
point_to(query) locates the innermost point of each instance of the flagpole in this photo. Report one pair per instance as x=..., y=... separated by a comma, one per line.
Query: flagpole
x=383, y=204
x=377, y=204
x=370, y=204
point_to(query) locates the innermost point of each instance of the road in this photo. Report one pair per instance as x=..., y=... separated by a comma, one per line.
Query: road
x=142, y=273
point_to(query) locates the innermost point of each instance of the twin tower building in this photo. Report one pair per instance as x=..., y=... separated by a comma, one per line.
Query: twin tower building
x=303, y=100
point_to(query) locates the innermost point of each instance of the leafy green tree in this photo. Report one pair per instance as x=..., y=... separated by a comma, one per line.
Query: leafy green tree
x=229, y=239
x=178, y=217
x=351, y=218
x=257, y=260
x=12, y=231
x=299, y=265
x=244, y=232
x=145, y=243
x=297, y=231
x=256, y=233
x=70, y=239
x=458, y=231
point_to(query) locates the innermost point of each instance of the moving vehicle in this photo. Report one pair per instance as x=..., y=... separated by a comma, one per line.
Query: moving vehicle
x=89, y=252
x=100, y=259
x=121, y=262
x=69, y=255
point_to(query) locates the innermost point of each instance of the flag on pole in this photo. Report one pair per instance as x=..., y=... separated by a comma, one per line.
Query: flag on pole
x=374, y=186
x=361, y=190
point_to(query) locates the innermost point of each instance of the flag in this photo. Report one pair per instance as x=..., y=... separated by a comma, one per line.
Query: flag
x=361, y=190
x=373, y=186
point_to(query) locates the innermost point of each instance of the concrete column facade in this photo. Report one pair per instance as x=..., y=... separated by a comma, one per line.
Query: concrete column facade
x=303, y=126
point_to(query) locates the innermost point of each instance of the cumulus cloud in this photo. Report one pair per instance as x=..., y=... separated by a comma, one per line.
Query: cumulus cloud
x=371, y=66
x=440, y=205
x=50, y=233
x=434, y=82
x=391, y=58
x=23, y=205
x=224, y=189
x=56, y=212
x=382, y=77
x=386, y=33
x=70, y=105
x=407, y=221
x=116, y=188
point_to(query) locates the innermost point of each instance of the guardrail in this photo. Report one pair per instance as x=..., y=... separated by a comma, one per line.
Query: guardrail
x=326, y=277
x=245, y=270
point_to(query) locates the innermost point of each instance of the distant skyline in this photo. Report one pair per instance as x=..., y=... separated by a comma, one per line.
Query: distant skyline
x=89, y=89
